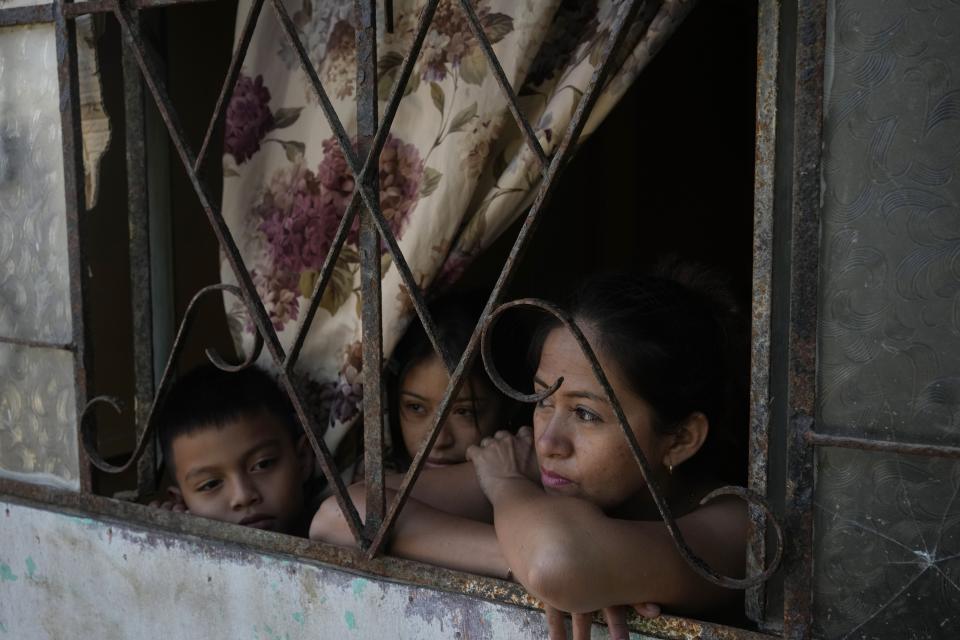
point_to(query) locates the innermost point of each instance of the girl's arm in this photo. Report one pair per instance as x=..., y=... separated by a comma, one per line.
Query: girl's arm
x=452, y=489
x=568, y=553
x=421, y=533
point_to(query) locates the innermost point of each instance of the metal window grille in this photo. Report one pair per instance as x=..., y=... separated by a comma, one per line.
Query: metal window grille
x=789, y=134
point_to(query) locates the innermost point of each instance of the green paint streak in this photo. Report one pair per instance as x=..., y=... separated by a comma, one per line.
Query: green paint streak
x=359, y=586
x=31, y=567
x=6, y=574
x=299, y=618
x=351, y=620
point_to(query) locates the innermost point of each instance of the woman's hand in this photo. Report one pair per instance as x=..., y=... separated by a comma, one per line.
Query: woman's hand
x=616, y=618
x=504, y=457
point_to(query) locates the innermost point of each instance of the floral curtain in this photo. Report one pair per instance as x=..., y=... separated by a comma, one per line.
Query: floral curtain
x=454, y=173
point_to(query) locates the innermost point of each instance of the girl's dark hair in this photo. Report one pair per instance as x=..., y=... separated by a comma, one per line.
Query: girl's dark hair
x=455, y=316
x=675, y=338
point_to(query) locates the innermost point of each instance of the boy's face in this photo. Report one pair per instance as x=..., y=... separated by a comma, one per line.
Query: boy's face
x=248, y=472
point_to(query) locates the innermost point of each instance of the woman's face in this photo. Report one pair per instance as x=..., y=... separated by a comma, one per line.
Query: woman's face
x=580, y=445
x=475, y=413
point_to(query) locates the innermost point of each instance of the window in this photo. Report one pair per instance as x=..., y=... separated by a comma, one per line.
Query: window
x=839, y=303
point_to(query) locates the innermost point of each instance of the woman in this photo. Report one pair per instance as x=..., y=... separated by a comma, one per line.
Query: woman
x=573, y=520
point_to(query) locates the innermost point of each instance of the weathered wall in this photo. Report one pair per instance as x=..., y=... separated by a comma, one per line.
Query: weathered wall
x=68, y=577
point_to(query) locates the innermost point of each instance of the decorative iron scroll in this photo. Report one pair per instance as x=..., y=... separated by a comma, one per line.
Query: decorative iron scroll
x=751, y=498
x=88, y=435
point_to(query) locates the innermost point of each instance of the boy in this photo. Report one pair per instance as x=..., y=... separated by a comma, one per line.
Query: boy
x=235, y=450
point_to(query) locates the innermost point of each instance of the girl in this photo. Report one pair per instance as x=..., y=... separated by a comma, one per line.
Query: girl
x=416, y=382
x=573, y=520
x=419, y=380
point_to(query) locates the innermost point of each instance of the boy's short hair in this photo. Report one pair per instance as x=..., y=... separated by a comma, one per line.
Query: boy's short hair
x=208, y=397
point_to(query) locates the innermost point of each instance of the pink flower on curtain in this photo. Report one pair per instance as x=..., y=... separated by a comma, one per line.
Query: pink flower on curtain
x=278, y=292
x=299, y=220
x=450, y=41
x=401, y=172
x=300, y=211
x=341, y=398
x=340, y=65
x=248, y=119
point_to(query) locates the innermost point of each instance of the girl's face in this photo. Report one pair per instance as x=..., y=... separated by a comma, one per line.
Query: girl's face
x=580, y=445
x=475, y=413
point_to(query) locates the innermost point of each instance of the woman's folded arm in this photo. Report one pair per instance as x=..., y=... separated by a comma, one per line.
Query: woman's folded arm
x=577, y=559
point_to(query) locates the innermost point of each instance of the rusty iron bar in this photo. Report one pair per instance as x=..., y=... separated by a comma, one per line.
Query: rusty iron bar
x=75, y=196
x=145, y=436
x=393, y=103
x=290, y=33
x=768, y=56
x=147, y=60
x=326, y=272
x=22, y=16
x=656, y=492
x=37, y=344
x=141, y=291
x=371, y=297
x=107, y=6
x=557, y=163
x=388, y=15
x=804, y=276
x=229, y=83
x=885, y=446
x=512, y=101
x=89, y=7
x=370, y=199
x=223, y=536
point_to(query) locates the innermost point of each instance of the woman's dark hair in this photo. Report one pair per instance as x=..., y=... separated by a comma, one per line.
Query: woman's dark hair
x=455, y=316
x=675, y=338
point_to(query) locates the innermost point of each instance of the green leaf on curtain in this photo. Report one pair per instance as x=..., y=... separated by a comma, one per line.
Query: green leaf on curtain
x=293, y=149
x=473, y=67
x=431, y=179
x=349, y=254
x=285, y=117
x=436, y=94
x=412, y=84
x=387, y=67
x=463, y=118
x=597, y=48
x=389, y=62
x=576, y=101
x=308, y=279
x=497, y=26
x=385, y=261
x=338, y=288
